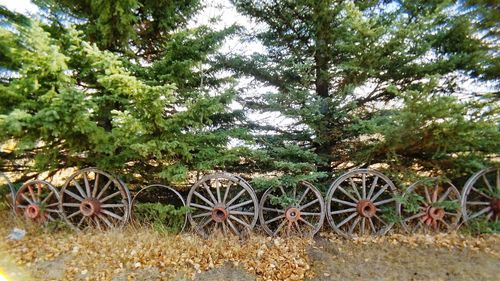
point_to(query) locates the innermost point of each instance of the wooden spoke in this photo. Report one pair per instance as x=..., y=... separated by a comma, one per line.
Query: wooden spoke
x=205, y=186
x=347, y=194
x=104, y=189
x=347, y=216
x=38, y=206
x=80, y=190
x=96, y=186
x=229, y=208
x=412, y=221
x=87, y=185
x=478, y=195
x=240, y=204
x=96, y=205
x=278, y=218
x=379, y=192
x=384, y=201
x=344, y=202
x=73, y=195
x=347, y=219
x=110, y=196
x=242, y=213
x=275, y=219
x=236, y=197
x=353, y=225
x=204, y=199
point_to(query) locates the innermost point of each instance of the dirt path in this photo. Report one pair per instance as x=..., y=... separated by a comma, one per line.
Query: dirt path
x=142, y=254
x=387, y=261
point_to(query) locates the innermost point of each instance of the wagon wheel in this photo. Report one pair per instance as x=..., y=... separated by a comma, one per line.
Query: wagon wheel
x=481, y=196
x=222, y=203
x=363, y=201
x=158, y=194
x=302, y=212
x=93, y=198
x=431, y=204
x=37, y=201
x=12, y=194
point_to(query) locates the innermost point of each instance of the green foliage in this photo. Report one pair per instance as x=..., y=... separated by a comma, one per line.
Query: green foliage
x=56, y=226
x=134, y=27
x=163, y=218
x=5, y=197
x=448, y=205
x=476, y=227
x=131, y=87
x=411, y=202
x=433, y=132
x=67, y=102
x=389, y=215
x=284, y=200
x=372, y=82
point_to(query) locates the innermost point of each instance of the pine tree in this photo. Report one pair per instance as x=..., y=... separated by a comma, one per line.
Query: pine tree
x=71, y=94
x=353, y=78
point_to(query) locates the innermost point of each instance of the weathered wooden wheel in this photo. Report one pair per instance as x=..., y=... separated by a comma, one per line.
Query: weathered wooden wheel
x=430, y=205
x=37, y=201
x=300, y=211
x=222, y=203
x=481, y=196
x=164, y=196
x=4, y=180
x=93, y=198
x=363, y=202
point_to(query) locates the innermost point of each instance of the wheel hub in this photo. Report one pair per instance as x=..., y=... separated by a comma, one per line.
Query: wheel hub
x=219, y=214
x=90, y=207
x=366, y=208
x=292, y=214
x=435, y=213
x=33, y=211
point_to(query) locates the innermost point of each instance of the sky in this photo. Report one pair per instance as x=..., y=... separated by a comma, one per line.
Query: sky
x=23, y=6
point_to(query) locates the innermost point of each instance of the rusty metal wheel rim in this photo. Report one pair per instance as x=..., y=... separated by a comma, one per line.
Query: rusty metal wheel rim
x=481, y=196
x=350, y=193
x=37, y=201
x=214, y=195
x=94, y=198
x=167, y=189
x=431, y=217
x=304, y=217
x=12, y=191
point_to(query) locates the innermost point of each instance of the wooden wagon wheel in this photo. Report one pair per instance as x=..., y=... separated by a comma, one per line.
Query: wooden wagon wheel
x=301, y=211
x=361, y=201
x=159, y=194
x=481, y=196
x=93, y=198
x=222, y=203
x=37, y=201
x=12, y=191
x=430, y=205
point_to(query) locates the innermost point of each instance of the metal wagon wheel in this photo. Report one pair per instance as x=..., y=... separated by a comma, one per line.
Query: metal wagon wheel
x=37, y=201
x=93, y=198
x=222, y=203
x=363, y=201
x=12, y=193
x=300, y=213
x=431, y=204
x=481, y=196
x=159, y=194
